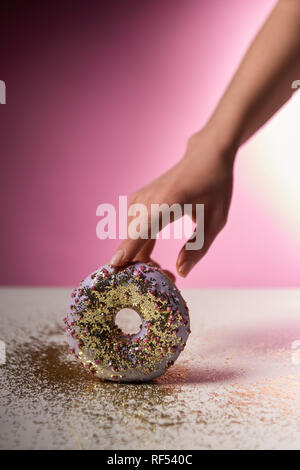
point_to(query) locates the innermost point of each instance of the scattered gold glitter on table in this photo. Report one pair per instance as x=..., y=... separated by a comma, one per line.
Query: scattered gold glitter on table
x=234, y=386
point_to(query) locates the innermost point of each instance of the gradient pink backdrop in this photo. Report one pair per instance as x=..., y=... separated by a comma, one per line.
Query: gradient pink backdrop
x=99, y=102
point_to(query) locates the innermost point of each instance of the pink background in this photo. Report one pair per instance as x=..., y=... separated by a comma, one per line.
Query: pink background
x=102, y=100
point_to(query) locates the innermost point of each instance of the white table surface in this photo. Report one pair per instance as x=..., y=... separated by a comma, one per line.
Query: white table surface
x=236, y=385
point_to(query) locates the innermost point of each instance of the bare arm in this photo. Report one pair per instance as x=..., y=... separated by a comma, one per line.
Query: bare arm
x=260, y=86
x=262, y=83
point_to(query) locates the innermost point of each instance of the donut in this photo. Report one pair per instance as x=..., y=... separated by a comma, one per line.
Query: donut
x=102, y=347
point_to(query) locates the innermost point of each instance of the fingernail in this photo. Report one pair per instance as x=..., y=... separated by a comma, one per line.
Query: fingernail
x=117, y=258
x=185, y=268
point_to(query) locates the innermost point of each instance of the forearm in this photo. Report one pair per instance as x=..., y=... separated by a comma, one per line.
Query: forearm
x=262, y=83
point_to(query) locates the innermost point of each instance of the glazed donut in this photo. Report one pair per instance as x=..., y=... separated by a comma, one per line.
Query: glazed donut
x=102, y=347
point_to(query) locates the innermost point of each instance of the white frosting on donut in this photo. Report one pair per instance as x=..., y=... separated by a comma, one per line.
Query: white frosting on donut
x=107, y=352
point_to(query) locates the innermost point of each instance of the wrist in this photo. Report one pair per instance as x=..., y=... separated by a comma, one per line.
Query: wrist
x=225, y=135
x=215, y=141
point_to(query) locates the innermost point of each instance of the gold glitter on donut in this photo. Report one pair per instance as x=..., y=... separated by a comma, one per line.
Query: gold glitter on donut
x=103, y=348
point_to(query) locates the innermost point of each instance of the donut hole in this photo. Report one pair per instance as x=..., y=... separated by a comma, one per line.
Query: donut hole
x=129, y=321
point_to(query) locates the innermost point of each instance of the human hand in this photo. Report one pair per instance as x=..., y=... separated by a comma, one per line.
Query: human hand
x=202, y=176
